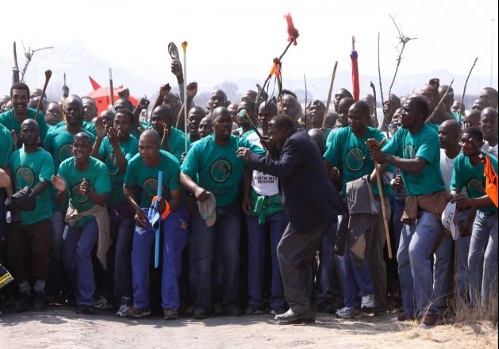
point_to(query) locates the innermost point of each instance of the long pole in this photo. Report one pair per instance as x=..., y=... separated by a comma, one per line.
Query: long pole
x=157, y=237
x=184, y=48
x=111, y=90
x=383, y=210
x=330, y=93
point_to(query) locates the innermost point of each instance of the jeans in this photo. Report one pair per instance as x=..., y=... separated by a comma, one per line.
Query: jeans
x=175, y=232
x=442, y=267
x=329, y=284
x=55, y=282
x=398, y=210
x=356, y=281
x=415, y=274
x=482, y=258
x=205, y=243
x=122, y=222
x=274, y=226
x=77, y=259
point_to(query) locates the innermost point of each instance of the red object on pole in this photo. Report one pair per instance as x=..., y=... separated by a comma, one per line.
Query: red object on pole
x=355, y=71
x=292, y=31
x=102, y=95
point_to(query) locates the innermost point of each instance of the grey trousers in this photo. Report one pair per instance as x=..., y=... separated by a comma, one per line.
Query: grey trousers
x=295, y=251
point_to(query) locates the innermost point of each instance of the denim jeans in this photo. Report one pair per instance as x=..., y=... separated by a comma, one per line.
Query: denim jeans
x=123, y=225
x=329, y=283
x=442, y=268
x=175, y=230
x=482, y=258
x=257, y=238
x=356, y=281
x=415, y=274
x=398, y=210
x=55, y=282
x=205, y=243
x=77, y=259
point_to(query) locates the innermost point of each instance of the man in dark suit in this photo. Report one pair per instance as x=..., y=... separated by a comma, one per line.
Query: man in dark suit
x=310, y=202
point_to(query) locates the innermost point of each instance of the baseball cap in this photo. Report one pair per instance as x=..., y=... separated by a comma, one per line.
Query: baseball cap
x=449, y=220
x=207, y=209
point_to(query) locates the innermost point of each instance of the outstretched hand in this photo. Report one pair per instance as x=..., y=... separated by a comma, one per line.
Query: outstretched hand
x=58, y=182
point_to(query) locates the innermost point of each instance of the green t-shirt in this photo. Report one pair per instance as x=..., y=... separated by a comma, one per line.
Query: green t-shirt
x=29, y=169
x=59, y=143
x=6, y=146
x=424, y=144
x=465, y=175
x=176, y=142
x=146, y=177
x=351, y=155
x=9, y=120
x=216, y=168
x=87, y=127
x=97, y=176
x=129, y=149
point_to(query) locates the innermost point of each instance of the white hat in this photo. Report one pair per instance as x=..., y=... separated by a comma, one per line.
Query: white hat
x=207, y=209
x=449, y=220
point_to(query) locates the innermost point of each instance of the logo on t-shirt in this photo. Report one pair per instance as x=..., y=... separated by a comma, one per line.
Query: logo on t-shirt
x=220, y=170
x=409, y=152
x=110, y=162
x=24, y=177
x=150, y=187
x=77, y=196
x=475, y=187
x=65, y=152
x=355, y=159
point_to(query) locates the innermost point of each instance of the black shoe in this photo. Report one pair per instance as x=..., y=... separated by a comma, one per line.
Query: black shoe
x=39, y=302
x=290, y=317
x=85, y=309
x=326, y=307
x=23, y=303
x=199, y=314
x=234, y=312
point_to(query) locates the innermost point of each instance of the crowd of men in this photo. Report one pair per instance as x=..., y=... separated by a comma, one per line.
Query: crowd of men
x=112, y=212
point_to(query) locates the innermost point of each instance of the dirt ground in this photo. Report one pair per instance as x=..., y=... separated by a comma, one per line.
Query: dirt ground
x=62, y=328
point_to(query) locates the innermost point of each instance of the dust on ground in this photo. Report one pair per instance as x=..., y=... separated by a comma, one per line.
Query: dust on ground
x=63, y=328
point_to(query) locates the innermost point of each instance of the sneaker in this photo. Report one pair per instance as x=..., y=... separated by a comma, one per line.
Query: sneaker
x=199, y=314
x=367, y=302
x=170, y=314
x=85, y=309
x=348, y=313
x=253, y=310
x=23, y=303
x=122, y=311
x=102, y=303
x=136, y=312
x=39, y=301
x=429, y=320
x=278, y=311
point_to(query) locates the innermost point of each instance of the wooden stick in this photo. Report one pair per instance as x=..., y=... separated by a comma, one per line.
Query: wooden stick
x=466, y=84
x=383, y=210
x=330, y=93
x=111, y=89
x=439, y=103
x=48, y=75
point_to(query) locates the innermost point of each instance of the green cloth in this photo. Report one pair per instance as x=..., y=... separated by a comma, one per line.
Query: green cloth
x=106, y=153
x=96, y=174
x=351, y=155
x=217, y=168
x=29, y=169
x=146, y=177
x=465, y=175
x=59, y=143
x=424, y=144
x=9, y=120
x=6, y=146
x=264, y=206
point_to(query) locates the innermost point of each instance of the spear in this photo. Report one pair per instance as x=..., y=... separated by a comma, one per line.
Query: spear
x=184, y=48
x=330, y=93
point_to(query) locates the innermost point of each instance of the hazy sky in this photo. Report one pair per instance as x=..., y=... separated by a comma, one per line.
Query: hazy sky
x=230, y=39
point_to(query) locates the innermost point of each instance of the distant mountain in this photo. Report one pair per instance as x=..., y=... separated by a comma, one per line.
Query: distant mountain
x=74, y=59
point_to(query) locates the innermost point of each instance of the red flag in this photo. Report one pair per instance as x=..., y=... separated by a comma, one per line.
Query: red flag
x=292, y=31
x=355, y=71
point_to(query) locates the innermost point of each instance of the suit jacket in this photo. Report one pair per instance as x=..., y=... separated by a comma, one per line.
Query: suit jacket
x=309, y=197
